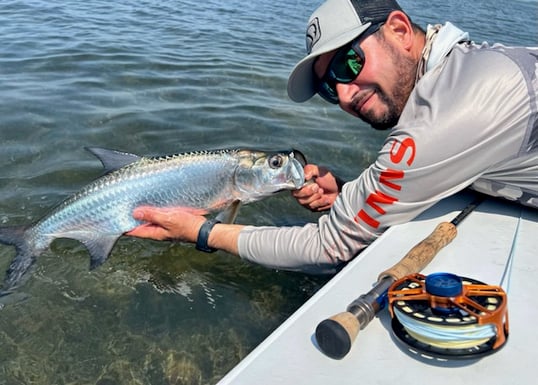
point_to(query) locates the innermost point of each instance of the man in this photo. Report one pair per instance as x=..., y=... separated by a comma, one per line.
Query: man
x=460, y=115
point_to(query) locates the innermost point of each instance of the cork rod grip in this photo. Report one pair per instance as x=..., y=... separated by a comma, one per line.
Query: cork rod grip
x=423, y=252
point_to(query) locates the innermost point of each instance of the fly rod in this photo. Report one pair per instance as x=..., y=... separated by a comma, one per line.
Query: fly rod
x=336, y=334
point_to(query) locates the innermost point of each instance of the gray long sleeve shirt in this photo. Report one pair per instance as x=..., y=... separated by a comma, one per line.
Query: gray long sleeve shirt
x=471, y=121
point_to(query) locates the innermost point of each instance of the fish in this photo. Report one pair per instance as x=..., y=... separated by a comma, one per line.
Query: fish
x=215, y=181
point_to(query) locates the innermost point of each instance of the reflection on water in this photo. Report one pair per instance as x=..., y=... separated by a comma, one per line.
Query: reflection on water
x=155, y=78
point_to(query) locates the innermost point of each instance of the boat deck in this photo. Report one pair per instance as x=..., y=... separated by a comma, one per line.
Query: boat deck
x=496, y=244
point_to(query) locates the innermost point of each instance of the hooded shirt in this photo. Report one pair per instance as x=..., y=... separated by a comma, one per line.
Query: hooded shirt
x=471, y=121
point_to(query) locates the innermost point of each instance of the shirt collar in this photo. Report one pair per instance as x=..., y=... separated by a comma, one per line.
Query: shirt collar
x=440, y=39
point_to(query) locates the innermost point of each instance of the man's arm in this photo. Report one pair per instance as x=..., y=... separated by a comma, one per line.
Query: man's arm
x=183, y=225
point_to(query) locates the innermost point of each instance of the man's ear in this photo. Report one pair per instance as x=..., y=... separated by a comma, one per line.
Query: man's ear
x=399, y=28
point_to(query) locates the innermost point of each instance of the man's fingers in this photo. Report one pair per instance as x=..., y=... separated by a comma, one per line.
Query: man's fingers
x=148, y=231
x=311, y=171
x=163, y=214
x=307, y=191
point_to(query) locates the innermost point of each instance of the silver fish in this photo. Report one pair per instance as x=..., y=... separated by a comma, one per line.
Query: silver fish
x=97, y=215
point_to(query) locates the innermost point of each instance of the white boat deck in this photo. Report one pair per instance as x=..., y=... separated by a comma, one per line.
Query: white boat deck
x=496, y=240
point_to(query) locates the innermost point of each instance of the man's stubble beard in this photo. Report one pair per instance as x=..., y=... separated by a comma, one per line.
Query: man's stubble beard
x=395, y=103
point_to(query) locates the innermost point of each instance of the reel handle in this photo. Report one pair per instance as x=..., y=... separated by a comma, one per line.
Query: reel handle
x=336, y=334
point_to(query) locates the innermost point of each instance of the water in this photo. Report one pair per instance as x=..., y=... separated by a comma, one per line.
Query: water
x=157, y=77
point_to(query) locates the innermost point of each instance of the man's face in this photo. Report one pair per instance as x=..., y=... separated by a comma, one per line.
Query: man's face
x=379, y=93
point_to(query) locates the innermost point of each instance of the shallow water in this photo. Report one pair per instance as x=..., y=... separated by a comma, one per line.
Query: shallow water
x=155, y=78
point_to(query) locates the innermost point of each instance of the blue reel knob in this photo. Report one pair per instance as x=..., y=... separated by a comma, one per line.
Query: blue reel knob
x=444, y=284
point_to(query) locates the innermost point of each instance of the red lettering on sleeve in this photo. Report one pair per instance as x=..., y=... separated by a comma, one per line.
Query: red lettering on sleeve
x=399, y=149
x=366, y=218
x=378, y=197
x=404, y=150
x=389, y=174
x=374, y=200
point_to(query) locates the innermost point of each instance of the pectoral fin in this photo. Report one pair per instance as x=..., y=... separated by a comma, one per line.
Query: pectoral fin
x=229, y=215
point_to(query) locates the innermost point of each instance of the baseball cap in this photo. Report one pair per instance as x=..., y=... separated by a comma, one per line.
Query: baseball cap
x=334, y=24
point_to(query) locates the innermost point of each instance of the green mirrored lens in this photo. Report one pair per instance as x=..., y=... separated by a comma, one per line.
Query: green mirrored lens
x=345, y=66
x=353, y=63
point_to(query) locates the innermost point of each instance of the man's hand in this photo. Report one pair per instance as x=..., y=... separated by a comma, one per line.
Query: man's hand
x=181, y=224
x=321, y=191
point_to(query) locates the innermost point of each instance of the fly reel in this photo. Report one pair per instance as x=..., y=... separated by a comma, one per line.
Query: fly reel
x=446, y=316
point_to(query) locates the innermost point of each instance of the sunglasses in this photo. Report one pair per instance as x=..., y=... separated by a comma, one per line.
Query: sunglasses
x=344, y=67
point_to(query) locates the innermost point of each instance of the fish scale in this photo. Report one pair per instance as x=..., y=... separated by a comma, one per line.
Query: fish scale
x=98, y=214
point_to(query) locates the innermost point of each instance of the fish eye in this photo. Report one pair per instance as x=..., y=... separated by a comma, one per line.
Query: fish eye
x=276, y=161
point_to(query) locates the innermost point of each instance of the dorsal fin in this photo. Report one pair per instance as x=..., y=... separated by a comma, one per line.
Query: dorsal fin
x=112, y=159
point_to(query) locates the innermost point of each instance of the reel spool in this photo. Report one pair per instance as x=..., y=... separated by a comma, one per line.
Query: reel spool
x=446, y=316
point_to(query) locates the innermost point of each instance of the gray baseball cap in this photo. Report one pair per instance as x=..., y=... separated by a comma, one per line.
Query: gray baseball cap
x=334, y=24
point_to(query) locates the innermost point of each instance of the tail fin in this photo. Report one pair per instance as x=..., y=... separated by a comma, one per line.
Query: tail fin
x=23, y=260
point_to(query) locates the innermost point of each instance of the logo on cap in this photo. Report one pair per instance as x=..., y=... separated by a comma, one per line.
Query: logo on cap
x=313, y=34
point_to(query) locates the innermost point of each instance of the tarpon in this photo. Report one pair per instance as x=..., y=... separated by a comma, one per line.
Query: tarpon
x=97, y=215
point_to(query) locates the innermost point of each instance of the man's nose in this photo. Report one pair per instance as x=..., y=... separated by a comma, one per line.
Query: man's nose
x=346, y=91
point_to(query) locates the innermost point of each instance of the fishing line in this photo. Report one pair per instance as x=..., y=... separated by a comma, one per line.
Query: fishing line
x=443, y=337
x=507, y=273
x=446, y=316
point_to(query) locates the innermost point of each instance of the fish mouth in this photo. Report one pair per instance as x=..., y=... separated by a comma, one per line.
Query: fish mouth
x=298, y=162
x=299, y=156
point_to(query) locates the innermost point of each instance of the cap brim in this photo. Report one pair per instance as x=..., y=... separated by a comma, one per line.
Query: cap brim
x=301, y=80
